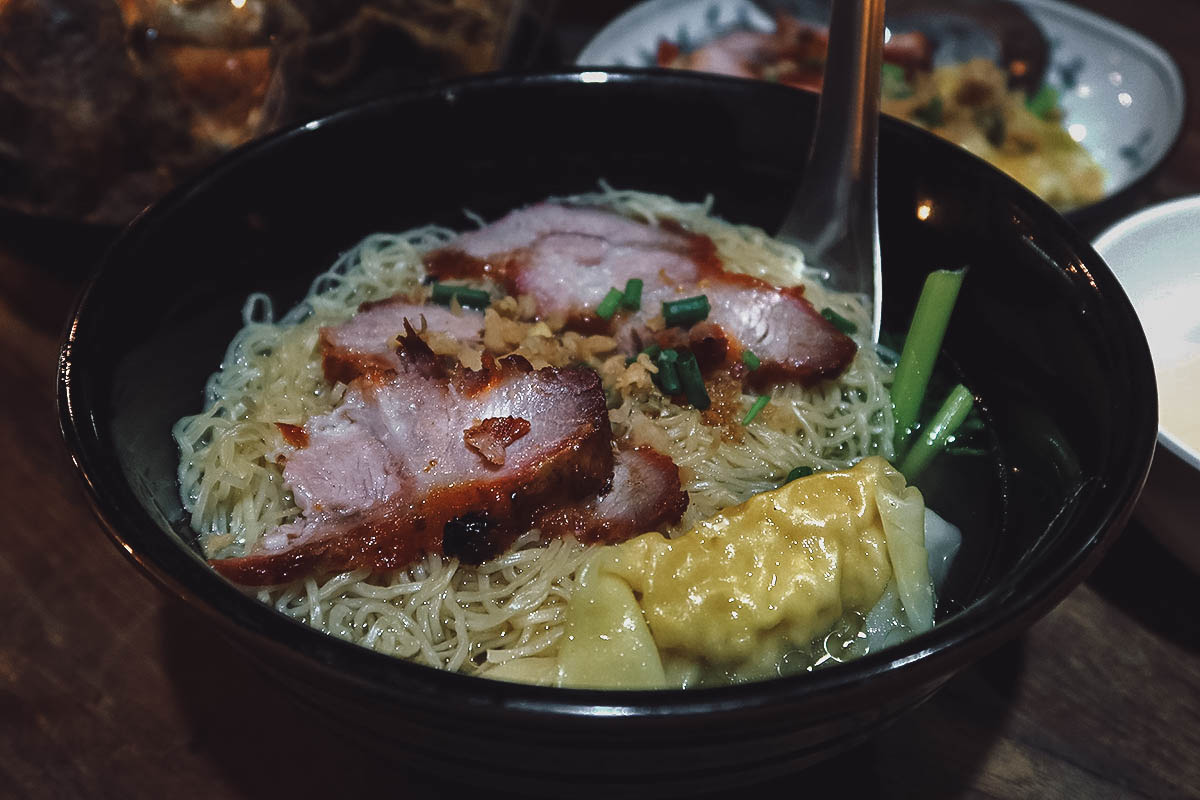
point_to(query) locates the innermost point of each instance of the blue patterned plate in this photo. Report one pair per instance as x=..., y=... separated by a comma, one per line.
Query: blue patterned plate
x=1122, y=95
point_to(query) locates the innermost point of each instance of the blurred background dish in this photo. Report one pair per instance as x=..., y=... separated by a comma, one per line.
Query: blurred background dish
x=105, y=104
x=1154, y=255
x=1119, y=96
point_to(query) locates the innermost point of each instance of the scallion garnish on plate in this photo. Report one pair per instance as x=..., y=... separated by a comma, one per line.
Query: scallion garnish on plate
x=631, y=298
x=798, y=472
x=693, y=381
x=608, y=306
x=445, y=293
x=758, y=406
x=668, y=372
x=686, y=312
x=838, y=321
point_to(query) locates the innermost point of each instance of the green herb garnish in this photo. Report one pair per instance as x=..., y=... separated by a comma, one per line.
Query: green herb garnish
x=922, y=345
x=1043, y=102
x=938, y=432
x=798, y=472
x=758, y=406
x=693, y=381
x=668, y=372
x=444, y=293
x=631, y=298
x=608, y=306
x=685, y=312
x=841, y=323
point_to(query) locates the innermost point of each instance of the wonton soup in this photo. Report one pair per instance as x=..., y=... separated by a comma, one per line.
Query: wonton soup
x=607, y=440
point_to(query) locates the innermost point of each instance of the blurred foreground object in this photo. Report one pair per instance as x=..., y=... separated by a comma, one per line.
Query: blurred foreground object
x=105, y=104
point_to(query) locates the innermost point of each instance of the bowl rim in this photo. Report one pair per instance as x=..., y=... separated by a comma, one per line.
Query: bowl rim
x=1014, y=602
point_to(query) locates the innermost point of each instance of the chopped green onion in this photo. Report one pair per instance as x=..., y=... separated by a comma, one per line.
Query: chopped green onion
x=943, y=425
x=668, y=372
x=887, y=355
x=798, y=472
x=652, y=353
x=685, y=312
x=921, y=346
x=750, y=360
x=931, y=113
x=1044, y=101
x=758, y=406
x=444, y=293
x=631, y=298
x=841, y=323
x=608, y=306
x=693, y=382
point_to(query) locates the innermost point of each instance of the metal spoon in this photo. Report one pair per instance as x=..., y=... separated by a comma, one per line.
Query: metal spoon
x=834, y=215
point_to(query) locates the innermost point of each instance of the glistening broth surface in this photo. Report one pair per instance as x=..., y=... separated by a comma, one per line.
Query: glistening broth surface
x=966, y=486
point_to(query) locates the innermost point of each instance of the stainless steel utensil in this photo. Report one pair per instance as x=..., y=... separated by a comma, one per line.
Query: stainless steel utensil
x=833, y=217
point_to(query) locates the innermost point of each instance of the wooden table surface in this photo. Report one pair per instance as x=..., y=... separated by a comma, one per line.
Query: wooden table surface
x=109, y=688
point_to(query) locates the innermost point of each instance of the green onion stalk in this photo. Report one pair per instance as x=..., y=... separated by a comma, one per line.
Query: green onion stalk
x=921, y=347
x=937, y=433
x=608, y=306
x=445, y=293
x=686, y=312
x=692, y=381
x=759, y=404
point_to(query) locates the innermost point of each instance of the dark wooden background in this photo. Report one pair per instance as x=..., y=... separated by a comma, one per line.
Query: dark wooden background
x=110, y=688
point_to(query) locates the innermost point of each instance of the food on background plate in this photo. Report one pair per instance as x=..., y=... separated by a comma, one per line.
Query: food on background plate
x=969, y=104
x=608, y=440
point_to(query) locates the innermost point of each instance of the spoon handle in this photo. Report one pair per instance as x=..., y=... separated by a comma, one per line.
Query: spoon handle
x=833, y=217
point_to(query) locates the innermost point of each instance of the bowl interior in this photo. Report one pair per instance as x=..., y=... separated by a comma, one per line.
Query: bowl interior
x=1041, y=329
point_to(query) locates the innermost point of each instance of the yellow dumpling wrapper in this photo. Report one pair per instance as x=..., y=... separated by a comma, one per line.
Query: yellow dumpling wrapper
x=606, y=644
x=776, y=571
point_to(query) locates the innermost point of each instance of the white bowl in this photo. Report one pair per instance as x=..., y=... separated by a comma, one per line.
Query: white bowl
x=1122, y=95
x=1155, y=254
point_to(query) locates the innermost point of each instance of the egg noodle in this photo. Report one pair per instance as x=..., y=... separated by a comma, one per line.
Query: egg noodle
x=461, y=617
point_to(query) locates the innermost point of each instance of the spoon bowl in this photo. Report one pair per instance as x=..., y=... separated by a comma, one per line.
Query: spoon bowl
x=834, y=216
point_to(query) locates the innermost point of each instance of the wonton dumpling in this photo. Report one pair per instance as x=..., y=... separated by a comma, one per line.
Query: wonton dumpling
x=606, y=642
x=760, y=578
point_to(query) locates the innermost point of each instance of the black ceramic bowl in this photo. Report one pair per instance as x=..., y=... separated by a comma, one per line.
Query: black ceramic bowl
x=1042, y=334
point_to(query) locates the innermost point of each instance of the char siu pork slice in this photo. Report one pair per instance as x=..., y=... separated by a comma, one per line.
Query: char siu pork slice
x=645, y=496
x=428, y=460
x=367, y=341
x=568, y=258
